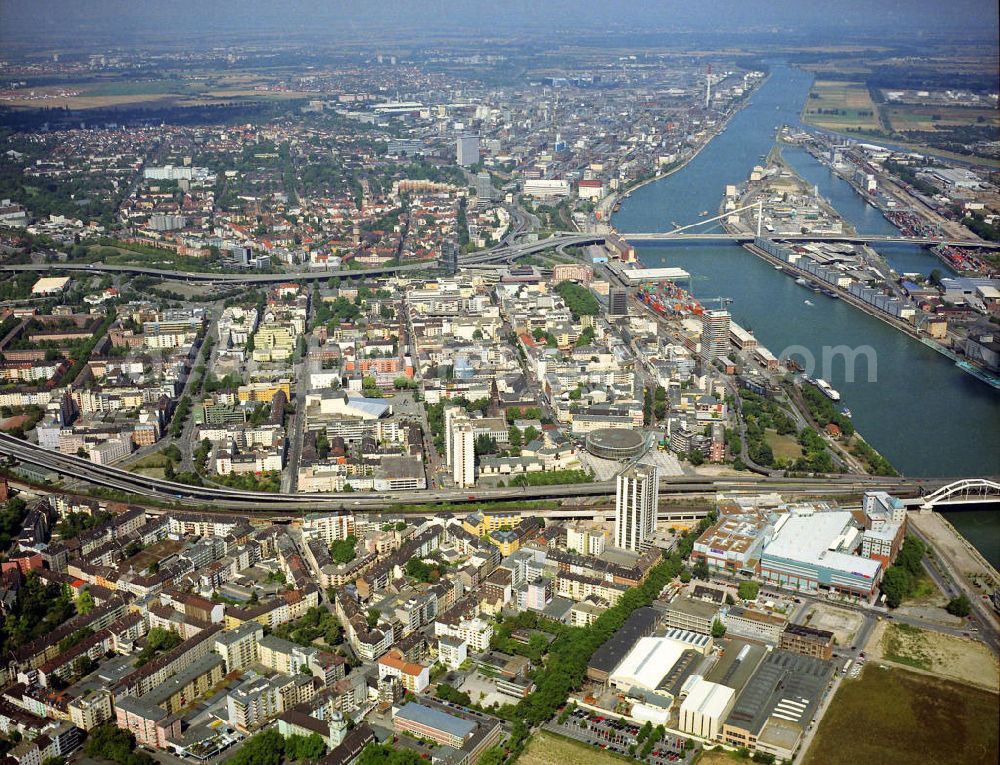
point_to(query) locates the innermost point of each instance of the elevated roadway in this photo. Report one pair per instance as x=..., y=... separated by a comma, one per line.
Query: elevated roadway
x=218, y=278
x=169, y=492
x=509, y=252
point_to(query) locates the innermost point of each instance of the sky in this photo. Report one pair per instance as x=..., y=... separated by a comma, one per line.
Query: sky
x=173, y=20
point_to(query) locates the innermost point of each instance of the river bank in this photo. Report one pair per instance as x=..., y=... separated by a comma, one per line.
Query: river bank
x=913, y=405
x=607, y=204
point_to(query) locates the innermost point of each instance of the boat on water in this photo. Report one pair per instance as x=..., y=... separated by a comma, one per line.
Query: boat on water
x=703, y=213
x=827, y=390
x=808, y=302
x=801, y=282
x=845, y=411
x=829, y=293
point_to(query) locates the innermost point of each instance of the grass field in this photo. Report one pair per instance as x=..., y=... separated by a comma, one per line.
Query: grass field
x=898, y=717
x=784, y=447
x=719, y=757
x=548, y=749
x=844, y=106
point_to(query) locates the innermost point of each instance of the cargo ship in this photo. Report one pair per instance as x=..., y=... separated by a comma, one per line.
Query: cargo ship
x=669, y=300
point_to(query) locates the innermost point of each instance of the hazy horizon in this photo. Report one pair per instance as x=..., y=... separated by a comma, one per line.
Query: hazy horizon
x=119, y=22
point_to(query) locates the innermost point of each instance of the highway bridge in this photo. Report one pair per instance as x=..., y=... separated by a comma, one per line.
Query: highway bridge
x=169, y=492
x=507, y=252
x=220, y=278
x=510, y=252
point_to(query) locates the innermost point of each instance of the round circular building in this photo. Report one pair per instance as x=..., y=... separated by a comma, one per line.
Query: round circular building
x=615, y=443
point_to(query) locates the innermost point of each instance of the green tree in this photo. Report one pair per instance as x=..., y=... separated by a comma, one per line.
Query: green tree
x=109, y=742
x=960, y=606
x=515, y=439
x=344, y=550
x=265, y=748
x=748, y=590
x=85, y=602
x=896, y=585
x=718, y=629
x=304, y=748
x=700, y=569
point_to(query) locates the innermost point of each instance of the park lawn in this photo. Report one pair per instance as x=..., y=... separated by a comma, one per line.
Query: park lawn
x=848, y=105
x=152, y=472
x=784, y=447
x=898, y=717
x=924, y=590
x=156, y=459
x=546, y=748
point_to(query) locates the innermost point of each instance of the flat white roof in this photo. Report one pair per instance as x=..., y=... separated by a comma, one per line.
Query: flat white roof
x=636, y=275
x=708, y=699
x=648, y=662
x=807, y=538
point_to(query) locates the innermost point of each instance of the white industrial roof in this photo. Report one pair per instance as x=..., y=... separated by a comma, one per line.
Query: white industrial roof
x=708, y=699
x=808, y=538
x=636, y=275
x=647, y=663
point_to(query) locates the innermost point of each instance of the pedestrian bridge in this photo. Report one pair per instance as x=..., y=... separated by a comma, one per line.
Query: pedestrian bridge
x=966, y=491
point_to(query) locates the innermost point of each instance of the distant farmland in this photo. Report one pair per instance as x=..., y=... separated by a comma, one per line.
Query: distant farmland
x=844, y=106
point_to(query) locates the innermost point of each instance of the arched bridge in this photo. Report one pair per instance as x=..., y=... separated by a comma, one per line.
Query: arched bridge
x=967, y=490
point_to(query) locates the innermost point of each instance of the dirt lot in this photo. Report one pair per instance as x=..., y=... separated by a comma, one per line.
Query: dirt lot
x=956, y=658
x=155, y=552
x=898, y=717
x=546, y=749
x=842, y=623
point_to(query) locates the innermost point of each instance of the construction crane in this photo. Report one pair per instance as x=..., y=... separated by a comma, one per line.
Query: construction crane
x=722, y=302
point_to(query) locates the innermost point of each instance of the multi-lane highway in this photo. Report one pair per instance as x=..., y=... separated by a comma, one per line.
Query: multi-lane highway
x=170, y=492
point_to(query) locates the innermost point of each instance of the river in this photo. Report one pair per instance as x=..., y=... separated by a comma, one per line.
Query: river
x=923, y=413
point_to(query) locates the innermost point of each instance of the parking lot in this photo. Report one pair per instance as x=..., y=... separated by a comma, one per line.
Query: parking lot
x=615, y=735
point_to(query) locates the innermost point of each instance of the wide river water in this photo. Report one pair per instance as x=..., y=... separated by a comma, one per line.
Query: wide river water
x=924, y=414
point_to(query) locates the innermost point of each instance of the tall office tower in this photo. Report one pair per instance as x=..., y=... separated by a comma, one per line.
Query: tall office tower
x=463, y=454
x=484, y=186
x=467, y=150
x=636, y=502
x=714, y=334
x=449, y=257
x=618, y=301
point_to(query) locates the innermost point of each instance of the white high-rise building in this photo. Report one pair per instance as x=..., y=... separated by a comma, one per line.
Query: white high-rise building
x=451, y=414
x=463, y=454
x=714, y=335
x=467, y=150
x=636, y=502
